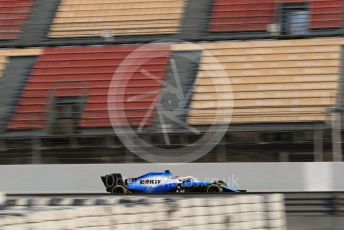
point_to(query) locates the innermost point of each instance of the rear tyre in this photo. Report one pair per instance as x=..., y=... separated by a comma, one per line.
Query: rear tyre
x=119, y=189
x=113, y=180
x=214, y=188
x=220, y=182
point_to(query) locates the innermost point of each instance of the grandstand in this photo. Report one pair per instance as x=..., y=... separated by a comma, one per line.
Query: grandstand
x=87, y=72
x=119, y=18
x=248, y=15
x=72, y=71
x=13, y=17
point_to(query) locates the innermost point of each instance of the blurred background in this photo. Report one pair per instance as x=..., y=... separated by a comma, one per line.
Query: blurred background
x=132, y=82
x=281, y=58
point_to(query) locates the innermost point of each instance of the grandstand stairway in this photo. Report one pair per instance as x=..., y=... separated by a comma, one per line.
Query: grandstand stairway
x=195, y=21
x=13, y=81
x=177, y=93
x=38, y=24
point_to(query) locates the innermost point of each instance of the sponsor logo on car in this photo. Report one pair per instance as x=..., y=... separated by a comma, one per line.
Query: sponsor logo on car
x=150, y=181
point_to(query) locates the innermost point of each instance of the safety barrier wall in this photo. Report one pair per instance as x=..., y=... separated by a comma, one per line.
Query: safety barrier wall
x=236, y=212
x=253, y=177
x=330, y=203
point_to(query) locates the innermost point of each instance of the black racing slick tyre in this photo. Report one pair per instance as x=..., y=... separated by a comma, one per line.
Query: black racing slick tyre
x=119, y=189
x=214, y=188
x=113, y=180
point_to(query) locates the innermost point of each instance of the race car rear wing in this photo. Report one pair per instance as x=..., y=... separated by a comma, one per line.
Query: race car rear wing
x=112, y=180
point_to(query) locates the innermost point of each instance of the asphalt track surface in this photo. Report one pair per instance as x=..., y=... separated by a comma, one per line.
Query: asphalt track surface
x=288, y=195
x=315, y=222
x=305, y=211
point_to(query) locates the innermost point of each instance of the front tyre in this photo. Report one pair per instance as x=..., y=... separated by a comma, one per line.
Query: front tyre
x=119, y=189
x=214, y=188
x=180, y=189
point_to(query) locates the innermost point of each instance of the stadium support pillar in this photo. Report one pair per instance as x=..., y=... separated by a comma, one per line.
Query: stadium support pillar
x=184, y=139
x=73, y=141
x=128, y=156
x=283, y=156
x=318, y=145
x=336, y=136
x=36, y=151
x=109, y=141
x=221, y=153
x=3, y=146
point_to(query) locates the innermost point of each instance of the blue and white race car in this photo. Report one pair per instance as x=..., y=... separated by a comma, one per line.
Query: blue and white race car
x=162, y=182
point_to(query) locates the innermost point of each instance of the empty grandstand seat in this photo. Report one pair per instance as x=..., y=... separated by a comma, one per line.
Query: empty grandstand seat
x=244, y=15
x=327, y=14
x=271, y=81
x=90, y=18
x=87, y=72
x=255, y=16
x=13, y=15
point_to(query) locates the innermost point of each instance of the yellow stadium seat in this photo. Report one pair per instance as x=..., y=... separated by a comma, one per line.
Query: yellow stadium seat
x=119, y=18
x=265, y=81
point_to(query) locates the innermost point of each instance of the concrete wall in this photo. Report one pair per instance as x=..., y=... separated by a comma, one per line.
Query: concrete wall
x=255, y=177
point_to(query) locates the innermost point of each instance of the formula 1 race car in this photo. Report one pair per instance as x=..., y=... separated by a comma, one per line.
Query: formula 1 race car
x=162, y=182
